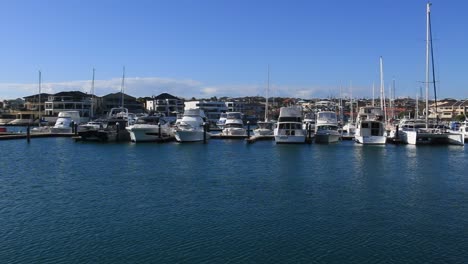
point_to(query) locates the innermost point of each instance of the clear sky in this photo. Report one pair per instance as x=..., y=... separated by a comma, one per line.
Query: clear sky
x=205, y=48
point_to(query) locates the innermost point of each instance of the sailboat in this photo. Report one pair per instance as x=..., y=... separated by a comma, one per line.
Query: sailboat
x=430, y=134
x=41, y=122
x=265, y=128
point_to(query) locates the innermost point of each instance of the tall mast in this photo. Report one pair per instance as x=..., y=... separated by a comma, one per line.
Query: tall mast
x=393, y=98
x=92, y=96
x=122, y=87
x=416, y=112
x=39, y=105
x=433, y=70
x=341, y=104
x=268, y=89
x=373, y=94
x=351, y=94
x=382, y=90
x=428, y=11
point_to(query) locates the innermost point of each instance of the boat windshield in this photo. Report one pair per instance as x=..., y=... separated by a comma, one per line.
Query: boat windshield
x=234, y=116
x=327, y=127
x=265, y=125
x=327, y=116
x=151, y=120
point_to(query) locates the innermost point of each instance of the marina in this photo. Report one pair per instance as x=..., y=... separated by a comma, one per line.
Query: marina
x=243, y=132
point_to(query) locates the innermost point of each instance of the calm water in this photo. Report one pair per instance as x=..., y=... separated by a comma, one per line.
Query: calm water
x=229, y=202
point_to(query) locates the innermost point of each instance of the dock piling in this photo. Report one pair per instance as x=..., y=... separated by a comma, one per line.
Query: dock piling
x=28, y=134
x=205, y=127
x=159, y=130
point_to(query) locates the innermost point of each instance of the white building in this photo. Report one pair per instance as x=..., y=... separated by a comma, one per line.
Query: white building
x=166, y=104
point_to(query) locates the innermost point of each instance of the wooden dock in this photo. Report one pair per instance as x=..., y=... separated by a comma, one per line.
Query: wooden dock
x=6, y=136
x=220, y=136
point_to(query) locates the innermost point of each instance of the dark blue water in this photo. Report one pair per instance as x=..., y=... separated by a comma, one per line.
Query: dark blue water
x=230, y=202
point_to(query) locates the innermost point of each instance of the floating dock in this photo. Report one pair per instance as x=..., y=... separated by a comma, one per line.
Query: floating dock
x=220, y=136
x=5, y=136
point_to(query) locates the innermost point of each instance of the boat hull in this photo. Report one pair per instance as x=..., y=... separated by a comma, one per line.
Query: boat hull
x=370, y=140
x=190, y=136
x=326, y=138
x=284, y=139
x=428, y=138
x=61, y=130
x=234, y=131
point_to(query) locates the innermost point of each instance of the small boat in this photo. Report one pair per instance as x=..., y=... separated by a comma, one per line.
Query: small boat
x=234, y=125
x=107, y=130
x=149, y=128
x=289, y=126
x=326, y=127
x=264, y=128
x=190, y=128
x=65, y=122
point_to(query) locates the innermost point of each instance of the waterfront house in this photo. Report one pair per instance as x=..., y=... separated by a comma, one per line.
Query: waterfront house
x=166, y=104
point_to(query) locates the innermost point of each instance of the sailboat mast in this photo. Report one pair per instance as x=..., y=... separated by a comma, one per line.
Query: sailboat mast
x=39, y=104
x=433, y=69
x=122, y=87
x=373, y=94
x=382, y=92
x=268, y=89
x=428, y=11
x=351, y=93
x=92, y=96
x=392, y=99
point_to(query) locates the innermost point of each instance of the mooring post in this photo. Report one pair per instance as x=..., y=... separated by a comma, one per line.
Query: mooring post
x=28, y=133
x=159, y=130
x=117, y=127
x=204, y=132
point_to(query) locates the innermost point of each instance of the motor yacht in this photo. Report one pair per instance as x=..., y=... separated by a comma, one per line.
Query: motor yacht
x=234, y=125
x=289, y=127
x=370, y=126
x=190, y=127
x=326, y=127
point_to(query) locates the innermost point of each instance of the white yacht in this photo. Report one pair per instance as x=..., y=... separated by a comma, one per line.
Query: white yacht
x=349, y=130
x=234, y=125
x=289, y=126
x=326, y=127
x=149, y=128
x=370, y=126
x=190, y=127
x=65, y=121
x=264, y=128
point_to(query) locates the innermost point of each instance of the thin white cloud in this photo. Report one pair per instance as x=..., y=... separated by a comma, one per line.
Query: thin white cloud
x=149, y=86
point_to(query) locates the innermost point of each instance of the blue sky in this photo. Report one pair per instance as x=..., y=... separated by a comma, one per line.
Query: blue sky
x=223, y=48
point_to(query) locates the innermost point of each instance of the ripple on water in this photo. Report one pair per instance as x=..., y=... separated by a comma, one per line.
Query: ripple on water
x=227, y=201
